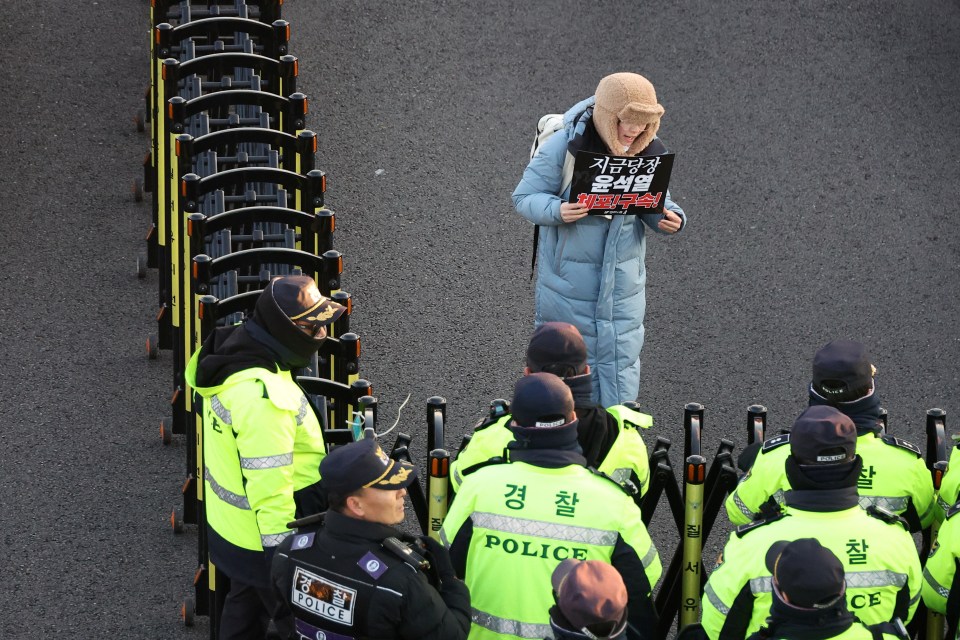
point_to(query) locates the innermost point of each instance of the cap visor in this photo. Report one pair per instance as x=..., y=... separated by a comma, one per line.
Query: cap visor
x=773, y=552
x=328, y=312
x=401, y=475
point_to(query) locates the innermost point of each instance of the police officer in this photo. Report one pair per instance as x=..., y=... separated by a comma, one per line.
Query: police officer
x=517, y=518
x=809, y=598
x=894, y=475
x=610, y=438
x=940, y=570
x=354, y=575
x=262, y=441
x=950, y=484
x=879, y=556
x=591, y=601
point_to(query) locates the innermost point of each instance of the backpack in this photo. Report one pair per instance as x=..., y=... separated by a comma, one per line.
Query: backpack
x=546, y=127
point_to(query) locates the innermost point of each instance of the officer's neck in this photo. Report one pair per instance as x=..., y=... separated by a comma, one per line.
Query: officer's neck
x=341, y=524
x=822, y=489
x=809, y=624
x=582, y=389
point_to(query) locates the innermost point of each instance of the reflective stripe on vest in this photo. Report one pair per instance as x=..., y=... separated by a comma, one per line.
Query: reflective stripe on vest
x=221, y=411
x=507, y=626
x=894, y=505
x=939, y=588
x=621, y=475
x=743, y=508
x=855, y=580
x=651, y=555
x=267, y=462
x=273, y=539
x=304, y=407
x=715, y=600
x=231, y=498
x=457, y=477
x=541, y=529
x=943, y=504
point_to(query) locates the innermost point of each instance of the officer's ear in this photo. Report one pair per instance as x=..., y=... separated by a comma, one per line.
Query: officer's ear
x=353, y=506
x=527, y=371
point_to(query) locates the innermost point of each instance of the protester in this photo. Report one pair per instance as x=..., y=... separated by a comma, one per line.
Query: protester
x=590, y=269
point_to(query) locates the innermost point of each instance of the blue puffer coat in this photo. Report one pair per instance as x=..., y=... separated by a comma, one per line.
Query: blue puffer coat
x=590, y=273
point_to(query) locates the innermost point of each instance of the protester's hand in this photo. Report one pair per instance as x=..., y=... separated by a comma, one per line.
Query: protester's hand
x=571, y=211
x=670, y=223
x=439, y=558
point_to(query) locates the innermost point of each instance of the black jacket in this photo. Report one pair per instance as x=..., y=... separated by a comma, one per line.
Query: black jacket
x=339, y=578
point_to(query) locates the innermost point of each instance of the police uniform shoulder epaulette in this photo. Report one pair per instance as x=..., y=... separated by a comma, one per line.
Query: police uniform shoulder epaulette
x=499, y=409
x=772, y=443
x=744, y=529
x=626, y=486
x=887, y=516
x=299, y=541
x=628, y=417
x=952, y=511
x=894, y=441
x=483, y=424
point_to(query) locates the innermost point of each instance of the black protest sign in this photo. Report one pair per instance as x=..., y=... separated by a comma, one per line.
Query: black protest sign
x=621, y=185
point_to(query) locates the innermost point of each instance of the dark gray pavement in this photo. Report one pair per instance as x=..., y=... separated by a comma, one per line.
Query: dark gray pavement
x=816, y=159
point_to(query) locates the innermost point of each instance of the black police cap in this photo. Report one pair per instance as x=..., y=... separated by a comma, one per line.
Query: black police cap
x=361, y=464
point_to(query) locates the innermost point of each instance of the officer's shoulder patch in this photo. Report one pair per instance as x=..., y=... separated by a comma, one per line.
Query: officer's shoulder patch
x=744, y=529
x=778, y=441
x=887, y=516
x=894, y=441
x=302, y=541
x=952, y=511
x=626, y=486
x=372, y=565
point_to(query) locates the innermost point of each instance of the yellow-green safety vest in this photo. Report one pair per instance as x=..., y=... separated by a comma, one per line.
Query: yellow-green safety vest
x=525, y=520
x=879, y=558
x=627, y=455
x=261, y=443
x=893, y=477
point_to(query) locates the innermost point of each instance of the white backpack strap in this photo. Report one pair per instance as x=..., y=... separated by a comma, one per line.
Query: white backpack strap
x=567, y=172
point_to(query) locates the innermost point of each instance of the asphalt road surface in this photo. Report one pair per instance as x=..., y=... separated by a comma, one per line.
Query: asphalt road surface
x=816, y=159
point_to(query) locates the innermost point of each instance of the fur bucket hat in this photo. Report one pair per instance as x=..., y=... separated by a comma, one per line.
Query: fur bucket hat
x=630, y=98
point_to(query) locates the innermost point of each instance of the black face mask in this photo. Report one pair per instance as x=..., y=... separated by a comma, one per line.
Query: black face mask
x=272, y=328
x=290, y=354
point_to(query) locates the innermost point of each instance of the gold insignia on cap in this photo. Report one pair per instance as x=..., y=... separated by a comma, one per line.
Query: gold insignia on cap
x=326, y=314
x=383, y=457
x=402, y=475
